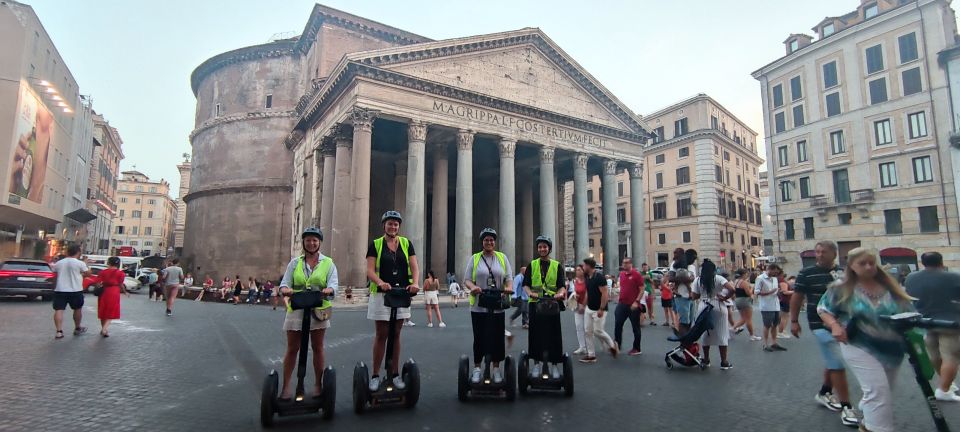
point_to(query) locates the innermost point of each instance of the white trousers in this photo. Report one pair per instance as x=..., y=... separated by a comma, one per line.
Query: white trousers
x=593, y=326
x=876, y=383
x=578, y=319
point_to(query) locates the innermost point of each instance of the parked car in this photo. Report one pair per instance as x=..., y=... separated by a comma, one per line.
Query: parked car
x=129, y=283
x=27, y=277
x=662, y=271
x=147, y=276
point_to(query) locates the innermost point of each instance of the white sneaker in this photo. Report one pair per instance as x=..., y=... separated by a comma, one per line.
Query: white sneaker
x=946, y=396
x=755, y=338
x=409, y=323
x=555, y=371
x=536, y=369
x=374, y=384
x=398, y=383
x=430, y=325
x=476, y=375
x=954, y=388
x=849, y=417
x=497, y=376
x=580, y=351
x=442, y=325
x=783, y=336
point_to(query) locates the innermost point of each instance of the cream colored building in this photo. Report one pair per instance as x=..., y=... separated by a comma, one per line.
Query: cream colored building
x=181, y=208
x=701, y=188
x=145, y=216
x=102, y=190
x=858, y=124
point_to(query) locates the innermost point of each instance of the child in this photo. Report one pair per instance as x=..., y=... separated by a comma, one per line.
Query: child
x=666, y=300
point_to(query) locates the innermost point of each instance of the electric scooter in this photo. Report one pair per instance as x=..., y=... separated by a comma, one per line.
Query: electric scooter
x=270, y=403
x=493, y=300
x=387, y=394
x=904, y=322
x=526, y=381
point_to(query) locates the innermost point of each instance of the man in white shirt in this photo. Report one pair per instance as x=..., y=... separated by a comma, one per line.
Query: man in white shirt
x=69, y=290
x=766, y=289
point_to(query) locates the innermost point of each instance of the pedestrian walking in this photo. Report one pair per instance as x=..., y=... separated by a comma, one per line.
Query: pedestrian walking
x=456, y=292
x=311, y=271
x=743, y=295
x=785, y=286
x=172, y=280
x=595, y=315
x=630, y=305
x=68, y=290
x=812, y=283
x=237, y=290
x=766, y=289
x=579, y=313
x=108, y=303
x=520, y=300
x=391, y=262
x=872, y=347
x=938, y=293
x=546, y=288
x=648, y=287
x=431, y=292
x=488, y=270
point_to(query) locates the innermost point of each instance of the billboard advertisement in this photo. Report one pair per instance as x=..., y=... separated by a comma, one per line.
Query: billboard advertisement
x=33, y=130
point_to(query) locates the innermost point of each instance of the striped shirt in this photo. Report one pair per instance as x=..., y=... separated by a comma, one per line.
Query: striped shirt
x=813, y=282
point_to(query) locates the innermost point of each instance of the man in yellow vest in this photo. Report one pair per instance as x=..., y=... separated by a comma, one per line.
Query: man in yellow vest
x=307, y=272
x=391, y=261
x=544, y=278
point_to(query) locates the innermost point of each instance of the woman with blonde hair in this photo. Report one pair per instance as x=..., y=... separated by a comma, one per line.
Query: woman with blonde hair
x=872, y=348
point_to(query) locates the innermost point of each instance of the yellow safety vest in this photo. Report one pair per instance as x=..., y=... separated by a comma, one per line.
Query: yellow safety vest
x=476, y=261
x=317, y=279
x=404, y=246
x=536, y=281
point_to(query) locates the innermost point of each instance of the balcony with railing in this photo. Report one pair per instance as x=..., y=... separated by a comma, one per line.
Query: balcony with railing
x=858, y=199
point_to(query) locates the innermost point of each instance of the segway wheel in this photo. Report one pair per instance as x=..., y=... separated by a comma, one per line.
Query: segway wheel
x=463, y=379
x=669, y=364
x=523, y=374
x=411, y=377
x=268, y=399
x=329, y=392
x=703, y=366
x=361, y=379
x=510, y=378
x=567, y=376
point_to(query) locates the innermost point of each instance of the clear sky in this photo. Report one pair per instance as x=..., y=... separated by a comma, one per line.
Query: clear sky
x=135, y=57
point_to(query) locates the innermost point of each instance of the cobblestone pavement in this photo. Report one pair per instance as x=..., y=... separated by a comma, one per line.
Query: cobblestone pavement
x=202, y=369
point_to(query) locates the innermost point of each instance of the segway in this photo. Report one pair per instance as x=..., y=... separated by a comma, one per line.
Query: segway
x=270, y=403
x=387, y=394
x=923, y=371
x=493, y=300
x=544, y=381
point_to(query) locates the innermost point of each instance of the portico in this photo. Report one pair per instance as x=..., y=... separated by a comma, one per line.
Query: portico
x=460, y=135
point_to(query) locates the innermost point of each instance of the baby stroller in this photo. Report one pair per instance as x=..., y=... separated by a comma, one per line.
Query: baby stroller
x=688, y=353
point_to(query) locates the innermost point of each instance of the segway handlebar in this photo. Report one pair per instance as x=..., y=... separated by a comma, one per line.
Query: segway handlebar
x=908, y=320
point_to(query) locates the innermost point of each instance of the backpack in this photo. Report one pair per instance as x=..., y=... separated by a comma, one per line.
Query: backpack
x=683, y=276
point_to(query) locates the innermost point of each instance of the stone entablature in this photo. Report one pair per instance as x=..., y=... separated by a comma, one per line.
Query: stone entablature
x=217, y=121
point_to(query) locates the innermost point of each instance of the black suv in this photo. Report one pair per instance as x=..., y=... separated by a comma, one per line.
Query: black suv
x=26, y=277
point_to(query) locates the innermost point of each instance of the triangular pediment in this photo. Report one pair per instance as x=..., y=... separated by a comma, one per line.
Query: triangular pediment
x=523, y=67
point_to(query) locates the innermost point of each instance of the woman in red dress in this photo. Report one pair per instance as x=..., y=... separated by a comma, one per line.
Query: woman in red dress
x=108, y=304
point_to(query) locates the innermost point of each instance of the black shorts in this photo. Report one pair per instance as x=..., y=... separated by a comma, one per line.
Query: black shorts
x=770, y=318
x=62, y=299
x=667, y=303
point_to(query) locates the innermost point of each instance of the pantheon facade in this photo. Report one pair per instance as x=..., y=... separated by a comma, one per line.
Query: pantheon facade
x=353, y=118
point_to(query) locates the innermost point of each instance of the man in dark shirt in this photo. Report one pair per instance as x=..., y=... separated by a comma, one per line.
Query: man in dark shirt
x=812, y=283
x=544, y=278
x=938, y=296
x=595, y=315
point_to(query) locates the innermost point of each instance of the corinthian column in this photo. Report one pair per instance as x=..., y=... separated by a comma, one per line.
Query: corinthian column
x=415, y=218
x=508, y=201
x=338, y=236
x=581, y=230
x=464, y=222
x=548, y=195
x=637, y=215
x=360, y=191
x=438, y=249
x=328, y=149
x=610, y=250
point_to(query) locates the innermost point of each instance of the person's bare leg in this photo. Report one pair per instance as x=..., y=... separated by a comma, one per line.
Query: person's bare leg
x=838, y=380
x=948, y=372
x=379, y=347
x=58, y=320
x=437, y=309
x=316, y=342
x=723, y=354
x=289, y=360
x=171, y=298
x=77, y=317
x=749, y=320
x=429, y=314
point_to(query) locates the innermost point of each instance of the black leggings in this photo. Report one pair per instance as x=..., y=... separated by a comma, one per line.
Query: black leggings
x=488, y=334
x=545, y=336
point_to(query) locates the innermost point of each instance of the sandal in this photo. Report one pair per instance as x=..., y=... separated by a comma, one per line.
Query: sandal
x=59, y=334
x=79, y=331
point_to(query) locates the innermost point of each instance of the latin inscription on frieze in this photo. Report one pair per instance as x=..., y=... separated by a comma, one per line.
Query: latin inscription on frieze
x=520, y=124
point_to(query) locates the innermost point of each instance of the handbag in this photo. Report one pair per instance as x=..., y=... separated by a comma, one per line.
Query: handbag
x=548, y=306
x=97, y=290
x=306, y=300
x=396, y=298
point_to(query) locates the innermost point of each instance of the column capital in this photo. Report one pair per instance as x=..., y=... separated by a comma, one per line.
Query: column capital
x=508, y=147
x=342, y=134
x=417, y=131
x=636, y=170
x=465, y=139
x=581, y=160
x=610, y=167
x=328, y=146
x=546, y=154
x=363, y=118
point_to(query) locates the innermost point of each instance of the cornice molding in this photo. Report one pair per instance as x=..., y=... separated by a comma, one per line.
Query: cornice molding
x=237, y=189
x=704, y=133
x=259, y=115
x=281, y=48
x=324, y=14
x=310, y=112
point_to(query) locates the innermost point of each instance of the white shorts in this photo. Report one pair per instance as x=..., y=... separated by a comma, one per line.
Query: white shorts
x=431, y=297
x=294, y=320
x=378, y=312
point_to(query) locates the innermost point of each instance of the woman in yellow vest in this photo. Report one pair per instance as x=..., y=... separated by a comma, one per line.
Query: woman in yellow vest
x=488, y=268
x=310, y=271
x=544, y=278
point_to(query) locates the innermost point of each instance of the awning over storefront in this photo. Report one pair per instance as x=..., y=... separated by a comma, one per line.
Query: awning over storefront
x=81, y=215
x=898, y=252
x=810, y=253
